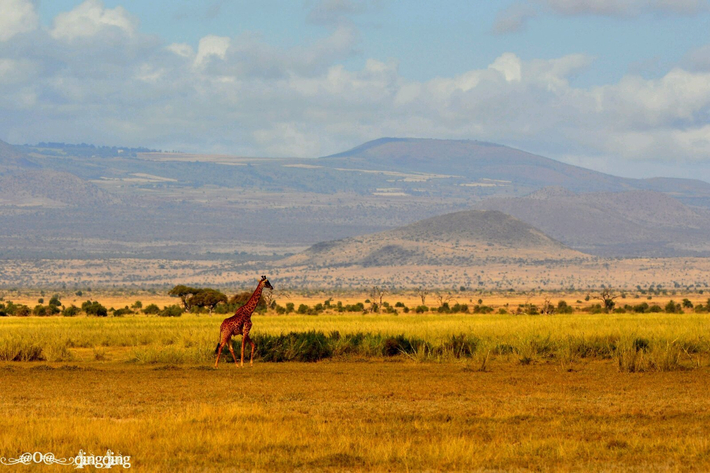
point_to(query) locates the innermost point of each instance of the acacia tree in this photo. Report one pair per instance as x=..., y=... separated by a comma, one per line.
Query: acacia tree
x=422, y=293
x=376, y=294
x=184, y=293
x=443, y=298
x=547, y=307
x=607, y=297
x=208, y=298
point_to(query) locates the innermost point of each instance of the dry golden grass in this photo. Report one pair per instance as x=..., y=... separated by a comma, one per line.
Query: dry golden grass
x=360, y=417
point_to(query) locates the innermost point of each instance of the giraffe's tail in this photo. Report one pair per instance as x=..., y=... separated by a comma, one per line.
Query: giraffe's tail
x=216, y=350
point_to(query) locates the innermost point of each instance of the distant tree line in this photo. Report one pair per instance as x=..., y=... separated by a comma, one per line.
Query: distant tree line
x=87, y=150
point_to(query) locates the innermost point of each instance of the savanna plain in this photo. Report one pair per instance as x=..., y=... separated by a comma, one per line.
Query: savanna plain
x=334, y=390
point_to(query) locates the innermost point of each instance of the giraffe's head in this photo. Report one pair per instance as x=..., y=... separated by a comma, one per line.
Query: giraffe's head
x=265, y=282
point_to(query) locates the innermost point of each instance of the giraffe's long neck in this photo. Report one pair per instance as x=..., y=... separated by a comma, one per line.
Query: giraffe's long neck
x=254, y=299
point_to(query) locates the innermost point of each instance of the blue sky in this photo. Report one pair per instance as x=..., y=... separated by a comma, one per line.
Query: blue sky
x=617, y=85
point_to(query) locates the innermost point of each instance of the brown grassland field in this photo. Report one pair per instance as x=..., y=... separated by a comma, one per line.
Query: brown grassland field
x=360, y=391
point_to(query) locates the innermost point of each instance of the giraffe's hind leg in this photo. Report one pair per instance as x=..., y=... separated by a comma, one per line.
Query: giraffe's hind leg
x=231, y=349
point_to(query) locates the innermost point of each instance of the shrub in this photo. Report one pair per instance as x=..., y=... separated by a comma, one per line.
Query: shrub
x=420, y=309
x=672, y=307
x=22, y=310
x=122, y=312
x=94, y=308
x=171, y=311
x=304, y=346
x=151, y=309
x=70, y=311
x=564, y=308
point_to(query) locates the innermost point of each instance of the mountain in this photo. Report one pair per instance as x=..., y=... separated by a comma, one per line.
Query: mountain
x=120, y=201
x=456, y=239
x=631, y=223
x=498, y=167
x=12, y=158
x=50, y=189
x=24, y=183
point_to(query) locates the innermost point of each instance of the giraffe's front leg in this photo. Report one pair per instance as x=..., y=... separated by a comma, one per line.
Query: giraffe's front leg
x=245, y=337
x=253, y=345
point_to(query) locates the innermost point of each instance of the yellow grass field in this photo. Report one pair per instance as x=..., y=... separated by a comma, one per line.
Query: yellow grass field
x=367, y=416
x=572, y=392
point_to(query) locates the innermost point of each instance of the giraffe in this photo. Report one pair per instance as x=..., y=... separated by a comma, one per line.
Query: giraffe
x=240, y=323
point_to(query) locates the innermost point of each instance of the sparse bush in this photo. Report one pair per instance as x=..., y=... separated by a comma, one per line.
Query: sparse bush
x=151, y=309
x=564, y=308
x=481, y=309
x=122, y=312
x=673, y=308
x=39, y=310
x=70, y=311
x=171, y=311
x=94, y=308
x=22, y=310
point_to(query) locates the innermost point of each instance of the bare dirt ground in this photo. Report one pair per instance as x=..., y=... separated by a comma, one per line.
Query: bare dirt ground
x=678, y=273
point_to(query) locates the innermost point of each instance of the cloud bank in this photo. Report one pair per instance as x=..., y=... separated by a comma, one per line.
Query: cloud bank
x=93, y=76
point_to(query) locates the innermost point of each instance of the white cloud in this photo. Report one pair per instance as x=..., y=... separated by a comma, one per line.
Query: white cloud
x=181, y=49
x=211, y=46
x=509, y=65
x=17, y=16
x=243, y=95
x=91, y=18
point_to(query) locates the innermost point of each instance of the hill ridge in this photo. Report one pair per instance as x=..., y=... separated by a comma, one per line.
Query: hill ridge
x=456, y=238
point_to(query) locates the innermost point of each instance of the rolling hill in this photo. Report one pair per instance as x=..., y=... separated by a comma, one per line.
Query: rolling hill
x=219, y=207
x=12, y=158
x=499, y=168
x=632, y=223
x=455, y=239
x=24, y=183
